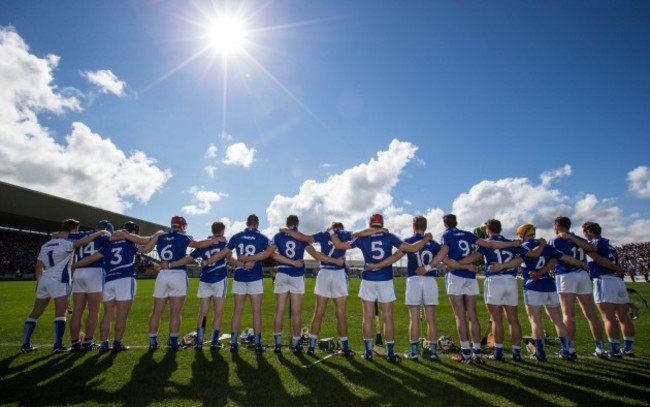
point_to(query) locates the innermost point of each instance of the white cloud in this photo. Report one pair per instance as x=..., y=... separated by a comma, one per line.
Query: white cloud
x=106, y=81
x=639, y=182
x=350, y=196
x=326, y=165
x=239, y=154
x=210, y=170
x=202, y=201
x=548, y=177
x=86, y=167
x=225, y=136
x=211, y=151
x=407, y=202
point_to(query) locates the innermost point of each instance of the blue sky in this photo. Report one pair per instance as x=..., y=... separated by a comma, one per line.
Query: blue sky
x=333, y=110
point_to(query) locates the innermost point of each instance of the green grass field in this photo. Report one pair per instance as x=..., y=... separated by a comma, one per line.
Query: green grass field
x=139, y=377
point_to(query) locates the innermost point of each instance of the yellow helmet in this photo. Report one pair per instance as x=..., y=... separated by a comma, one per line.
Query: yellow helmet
x=525, y=230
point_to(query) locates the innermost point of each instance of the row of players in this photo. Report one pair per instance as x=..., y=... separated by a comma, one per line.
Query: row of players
x=104, y=257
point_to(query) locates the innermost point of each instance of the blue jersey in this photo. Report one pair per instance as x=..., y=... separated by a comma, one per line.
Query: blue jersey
x=460, y=245
x=214, y=272
x=570, y=249
x=423, y=257
x=119, y=259
x=328, y=248
x=292, y=249
x=376, y=248
x=89, y=249
x=172, y=246
x=499, y=256
x=606, y=250
x=248, y=242
x=544, y=283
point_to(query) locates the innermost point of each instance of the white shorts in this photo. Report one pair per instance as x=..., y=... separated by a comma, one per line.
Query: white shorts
x=122, y=289
x=382, y=291
x=88, y=280
x=457, y=285
x=421, y=290
x=284, y=283
x=610, y=289
x=170, y=283
x=501, y=290
x=331, y=283
x=248, y=288
x=49, y=287
x=541, y=298
x=577, y=282
x=218, y=289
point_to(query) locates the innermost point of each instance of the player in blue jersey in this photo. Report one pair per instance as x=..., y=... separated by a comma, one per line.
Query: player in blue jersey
x=331, y=282
x=251, y=248
x=462, y=287
x=573, y=284
x=171, y=283
x=213, y=284
x=421, y=286
x=377, y=285
x=290, y=281
x=610, y=293
x=53, y=281
x=87, y=287
x=539, y=287
x=118, y=257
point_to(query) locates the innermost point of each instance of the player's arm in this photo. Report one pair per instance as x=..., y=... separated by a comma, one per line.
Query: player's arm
x=132, y=237
x=225, y=252
x=497, y=244
x=607, y=263
x=202, y=244
x=337, y=242
x=148, y=246
x=285, y=260
x=511, y=264
x=89, y=238
x=581, y=243
x=550, y=265
x=368, y=232
x=298, y=235
x=177, y=263
x=466, y=263
x=536, y=252
x=439, y=257
x=574, y=262
x=87, y=260
x=417, y=246
x=263, y=255
x=388, y=261
x=325, y=258
x=39, y=270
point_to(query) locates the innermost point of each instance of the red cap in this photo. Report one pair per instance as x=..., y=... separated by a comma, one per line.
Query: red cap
x=179, y=221
x=376, y=220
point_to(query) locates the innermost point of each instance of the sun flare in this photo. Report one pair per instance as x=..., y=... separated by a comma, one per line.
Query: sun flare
x=226, y=35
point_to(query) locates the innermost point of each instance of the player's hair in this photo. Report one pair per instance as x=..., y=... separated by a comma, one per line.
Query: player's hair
x=493, y=225
x=337, y=225
x=218, y=228
x=252, y=220
x=292, y=220
x=69, y=225
x=420, y=223
x=563, y=222
x=593, y=227
x=450, y=220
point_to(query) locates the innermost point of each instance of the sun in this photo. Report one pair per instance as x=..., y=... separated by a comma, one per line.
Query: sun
x=226, y=35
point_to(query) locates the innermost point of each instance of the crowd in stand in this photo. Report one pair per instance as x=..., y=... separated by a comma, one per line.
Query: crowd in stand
x=18, y=252
x=635, y=257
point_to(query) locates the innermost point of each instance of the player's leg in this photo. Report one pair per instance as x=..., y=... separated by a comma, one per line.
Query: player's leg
x=235, y=321
x=278, y=319
x=496, y=316
x=389, y=329
x=94, y=300
x=79, y=301
x=296, y=319
x=40, y=304
x=430, y=301
x=474, y=324
x=458, y=306
x=366, y=326
x=122, y=308
x=515, y=330
x=319, y=313
x=175, y=315
x=608, y=313
x=110, y=310
x=218, y=303
x=204, y=308
x=154, y=321
x=256, y=306
x=340, y=304
x=588, y=307
x=60, y=309
x=414, y=331
x=627, y=326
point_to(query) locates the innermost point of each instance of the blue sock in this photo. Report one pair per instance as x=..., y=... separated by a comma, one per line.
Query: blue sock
x=599, y=345
x=116, y=343
x=104, y=344
x=75, y=342
x=59, y=331
x=414, y=347
x=539, y=344
x=277, y=337
x=312, y=341
x=516, y=350
x=433, y=347
x=476, y=349
x=368, y=343
x=344, y=344
x=200, y=332
x=564, y=345
x=28, y=330
x=215, y=335
x=467, y=352
x=173, y=339
x=614, y=346
x=153, y=340
x=296, y=342
x=498, y=350
x=233, y=338
x=390, y=347
x=628, y=344
x=258, y=339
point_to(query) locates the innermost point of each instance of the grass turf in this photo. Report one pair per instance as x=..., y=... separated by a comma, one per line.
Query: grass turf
x=139, y=377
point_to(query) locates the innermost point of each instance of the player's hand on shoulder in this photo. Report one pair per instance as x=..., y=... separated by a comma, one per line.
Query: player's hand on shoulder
x=340, y=261
x=517, y=242
x=428, y=236
x=495, y=267
x=564, y=235
x=284, y=230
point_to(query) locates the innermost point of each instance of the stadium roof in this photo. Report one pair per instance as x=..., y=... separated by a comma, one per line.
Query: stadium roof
x=25, y=209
